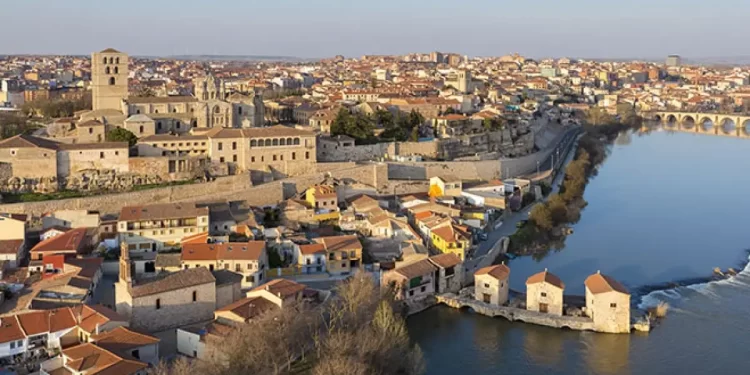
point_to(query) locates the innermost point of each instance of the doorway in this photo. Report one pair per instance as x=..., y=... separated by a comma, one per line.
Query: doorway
x=543, y=308
x=486, y=298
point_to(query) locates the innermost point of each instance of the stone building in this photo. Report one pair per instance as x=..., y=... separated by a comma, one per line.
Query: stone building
x=450, y=272
x=109, y=79
x=159, y=226
x=413, y=281
x=544, y=293
x=491, y=284
x=165, y=301
x=607, y=303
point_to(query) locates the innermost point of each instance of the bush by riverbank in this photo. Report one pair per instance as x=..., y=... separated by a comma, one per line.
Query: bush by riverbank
x=548, y=221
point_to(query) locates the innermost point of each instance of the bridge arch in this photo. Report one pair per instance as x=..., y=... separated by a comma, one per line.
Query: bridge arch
x=706, y=123
x=671, y=120
x=688, y=122
x=657, y=118
x=745, y=126
x=727, y=125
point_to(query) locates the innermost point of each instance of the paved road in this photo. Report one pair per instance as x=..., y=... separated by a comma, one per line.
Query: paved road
x=510, y=220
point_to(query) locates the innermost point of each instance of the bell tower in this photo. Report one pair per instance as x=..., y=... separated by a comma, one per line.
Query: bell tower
x=125, y=265
x=109, y=79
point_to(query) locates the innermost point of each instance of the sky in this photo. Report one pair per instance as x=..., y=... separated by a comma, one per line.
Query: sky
x=324, y=28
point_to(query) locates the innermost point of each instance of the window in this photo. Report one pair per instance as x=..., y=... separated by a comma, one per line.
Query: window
x=104, y=61
x=234, y=158
x=331, y=256
x=220, y=146
x=101, y=155
x=249, y=266
x=486, y=285
x=238, y=267
x=296, y=141
x=411, y=293
x=210, y=267
x=137, y=111
x=117, y=70
x=12, y=344
x=544, y=294
x=613, y=305
x=195, y=295
x=422, y=289
x=281, y=157
x=221, y=159
x=253, y=143
x=135, y=354
x=140, y=129
x=117, y=60
x=91, y=130
x=274, y=158
x=282, y=142
x=252, y=159
x=307, y=155
x=294, y=156
x=111, y=81
x=239, y=110
x=158, y=303
x=262, y=158
x=106, y=70
x=234, y=145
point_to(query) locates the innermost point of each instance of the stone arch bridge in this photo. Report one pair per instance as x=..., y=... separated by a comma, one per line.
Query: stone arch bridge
x=728, y=125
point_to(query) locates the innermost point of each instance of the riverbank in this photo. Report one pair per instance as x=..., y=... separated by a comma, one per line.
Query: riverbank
x=549, y=221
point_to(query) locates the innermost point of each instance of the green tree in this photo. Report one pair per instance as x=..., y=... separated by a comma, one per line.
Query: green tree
x=541, y=216
x=558, y=209
x=358, y=126
x=121, y=135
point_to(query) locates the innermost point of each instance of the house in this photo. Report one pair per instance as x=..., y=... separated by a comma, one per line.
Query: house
x=244, y=310
x=451, y=238
x=90, y=359
x=607, y=303
x=228, y=287
x=65, y=281
x=71, y=243
x=544, y=293
x=279, y=291
x=12, y=239
x=344, y=253
x=96, y=319
x=449, y=274
x=129, y=344
x=50, y=232
x=491, y=284
x=411, y=282
x=441, y=186
x=324, y=200
x=311, y=258
x=160, y=226
x=71, y=219
x=247, y=258
x=490, y=195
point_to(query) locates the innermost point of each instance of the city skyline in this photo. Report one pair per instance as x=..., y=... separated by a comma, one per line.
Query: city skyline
x=583, y=29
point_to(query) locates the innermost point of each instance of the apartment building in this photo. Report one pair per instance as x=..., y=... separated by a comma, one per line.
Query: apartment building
x=160, y=226
x=246, y=258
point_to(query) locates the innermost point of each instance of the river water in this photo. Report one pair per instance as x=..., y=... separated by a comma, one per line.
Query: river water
x=664, y=207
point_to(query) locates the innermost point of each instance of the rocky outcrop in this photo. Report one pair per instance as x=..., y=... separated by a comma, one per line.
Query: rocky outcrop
x=85, y=181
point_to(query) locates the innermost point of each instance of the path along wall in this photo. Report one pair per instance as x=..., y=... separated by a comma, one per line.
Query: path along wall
x=236, y=187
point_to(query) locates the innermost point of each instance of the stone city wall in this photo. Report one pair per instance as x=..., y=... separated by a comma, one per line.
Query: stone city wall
x=237, y=187
x=465, y=170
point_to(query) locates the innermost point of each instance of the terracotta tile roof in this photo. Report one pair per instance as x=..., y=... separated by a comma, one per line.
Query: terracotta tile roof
x=172, y=281
x=162, y=211
x=498, y=271
x=195, y=238
x=121, y=340
x=124, y=367
x=251, y=250
x=545, y=277
x=312, y=249
x=323, y=191
x=92, y=360
x=9, y=247
x=248, y=308
x=91, y=316
x=416, y=269
x=66, y=242
x=10, y=329
x=110, y=50
x=599, y=283
x=94, y=146
x=446, y=260
x=282, y=287
x=338, y=243
x=28, y=141
x=276, y=131
x=164, y=260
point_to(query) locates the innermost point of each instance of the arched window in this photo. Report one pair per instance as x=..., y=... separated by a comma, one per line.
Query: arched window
x=289, y=141
x=275, y=142
x=156, y=111
x=195, y=123
x=296, y=141
x=117, y=70
x=106, y=70
x=178, y=124
x=117, y=61
x=217, y=109
x=174, y=110
x=268, y=142
x=282, y=142
x=192, y=110
x=111, y=60
x=137, y=111
x=140, y=129
x=105, y=61
x=253, y=143
x=111, y=81
x=239, y=110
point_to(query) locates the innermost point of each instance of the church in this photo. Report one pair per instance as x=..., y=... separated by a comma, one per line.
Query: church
x=210, y=106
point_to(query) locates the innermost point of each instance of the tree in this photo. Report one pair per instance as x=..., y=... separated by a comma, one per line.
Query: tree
x=558, y=209
x=358, y=126
x=13, y=124
x=542, y=217
x=121, y=135
x=598, y=116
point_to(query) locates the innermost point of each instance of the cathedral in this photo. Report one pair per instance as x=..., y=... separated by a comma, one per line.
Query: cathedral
x=210, y=106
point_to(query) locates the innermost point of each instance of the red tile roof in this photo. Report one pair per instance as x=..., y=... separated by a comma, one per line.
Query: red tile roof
x=599, y=283
x=498, y=271
x=545, y=277
x=251, y=250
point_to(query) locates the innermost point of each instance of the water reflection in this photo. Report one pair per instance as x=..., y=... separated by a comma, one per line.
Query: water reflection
x=606, y=353
x=544, y=345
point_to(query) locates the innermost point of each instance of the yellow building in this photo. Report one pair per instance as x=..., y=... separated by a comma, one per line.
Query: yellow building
x=441, y=186
x=322, y=197
x=451, y=239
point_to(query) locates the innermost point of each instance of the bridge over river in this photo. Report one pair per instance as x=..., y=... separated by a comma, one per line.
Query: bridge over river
x=721, y=124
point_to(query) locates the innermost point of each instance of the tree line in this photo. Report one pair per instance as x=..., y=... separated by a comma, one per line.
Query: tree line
x=58, y=107
x=396, y=127
x=359, y=331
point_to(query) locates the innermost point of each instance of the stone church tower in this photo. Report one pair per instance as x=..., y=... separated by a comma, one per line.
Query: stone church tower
x=109, y=79
x=209, y=88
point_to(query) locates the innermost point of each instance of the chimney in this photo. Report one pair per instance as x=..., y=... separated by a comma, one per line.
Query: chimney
x=97, y=329
x=598, y=272
x=545, y=269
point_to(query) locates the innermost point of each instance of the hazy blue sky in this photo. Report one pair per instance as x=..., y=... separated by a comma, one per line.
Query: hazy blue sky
x=319, y=28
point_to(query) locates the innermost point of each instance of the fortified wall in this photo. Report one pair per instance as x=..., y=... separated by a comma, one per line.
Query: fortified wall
x=237, y=187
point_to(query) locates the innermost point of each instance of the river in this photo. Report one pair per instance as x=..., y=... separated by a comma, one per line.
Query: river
x=664, y=207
